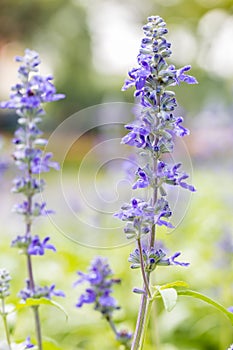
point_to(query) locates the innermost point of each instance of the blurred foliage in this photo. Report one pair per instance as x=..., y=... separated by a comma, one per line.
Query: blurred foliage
x=190, y=325
x=60, y=29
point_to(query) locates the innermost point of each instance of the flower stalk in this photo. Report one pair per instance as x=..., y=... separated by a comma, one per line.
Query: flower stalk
x=27, y=99
x=5, y=279
x=153, y=133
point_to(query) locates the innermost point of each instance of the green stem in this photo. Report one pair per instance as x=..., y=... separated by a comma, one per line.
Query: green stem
x=154, y=200
x=38, y=328
x=35, y=308
x=147, y=318
x=140, y=323
x=142, y=314
x=4, y=317
x=146, y=284
x=112, y=325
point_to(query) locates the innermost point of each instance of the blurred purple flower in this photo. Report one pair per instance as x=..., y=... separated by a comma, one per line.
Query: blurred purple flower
x=99, y=278
x=33, y=90
x=46, y=292
x=37, y=247
x=28, y=344
x=32, y=245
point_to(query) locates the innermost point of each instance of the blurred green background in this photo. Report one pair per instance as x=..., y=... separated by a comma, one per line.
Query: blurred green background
x=89, y=45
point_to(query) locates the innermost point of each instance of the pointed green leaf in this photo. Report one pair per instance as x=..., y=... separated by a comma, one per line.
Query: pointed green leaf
x=196, y=295
x=176, y=284
x=51, y=345
x=30, y=302
x=169, y=296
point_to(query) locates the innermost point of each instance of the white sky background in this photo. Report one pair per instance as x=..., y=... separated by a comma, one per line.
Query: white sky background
x=115, y=37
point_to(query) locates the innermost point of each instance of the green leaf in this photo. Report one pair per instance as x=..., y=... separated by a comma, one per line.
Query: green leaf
x=169, y=296
x=50, y=345
x=30, y=302
x=200, y=296
x=176, y=284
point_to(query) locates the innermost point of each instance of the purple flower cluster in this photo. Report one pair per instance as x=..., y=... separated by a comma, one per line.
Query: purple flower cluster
x=100, y=282
x=32, y=245
x=39, y=292
x=154, y=131
x=140, y=216
x=157, y=126
x=33, y=90
x=171, y=175
x=153, y=257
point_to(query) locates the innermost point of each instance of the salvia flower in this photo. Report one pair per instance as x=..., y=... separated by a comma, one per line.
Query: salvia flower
x=143, y=178
x=154, y=257
x=32, y=245
x=33, y=90
x=139, y=216
x=37, y=247
x=39, y=292
x=100, y=282
x=171, y=175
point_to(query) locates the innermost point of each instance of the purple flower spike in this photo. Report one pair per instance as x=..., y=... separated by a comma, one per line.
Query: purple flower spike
x=99, y=291
x=27, y=99
x=88, y=298
x=153, y=133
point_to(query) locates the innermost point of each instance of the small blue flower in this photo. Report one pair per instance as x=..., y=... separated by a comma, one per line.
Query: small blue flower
x=37, y=247
x=39, y=292
x=37, y=209
x=32, y=245
x=88, y=298
x=138, y=210
x=138, y=136
x=28, y=344
x=143, y=180
x=172, y=176
x=154, y=257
